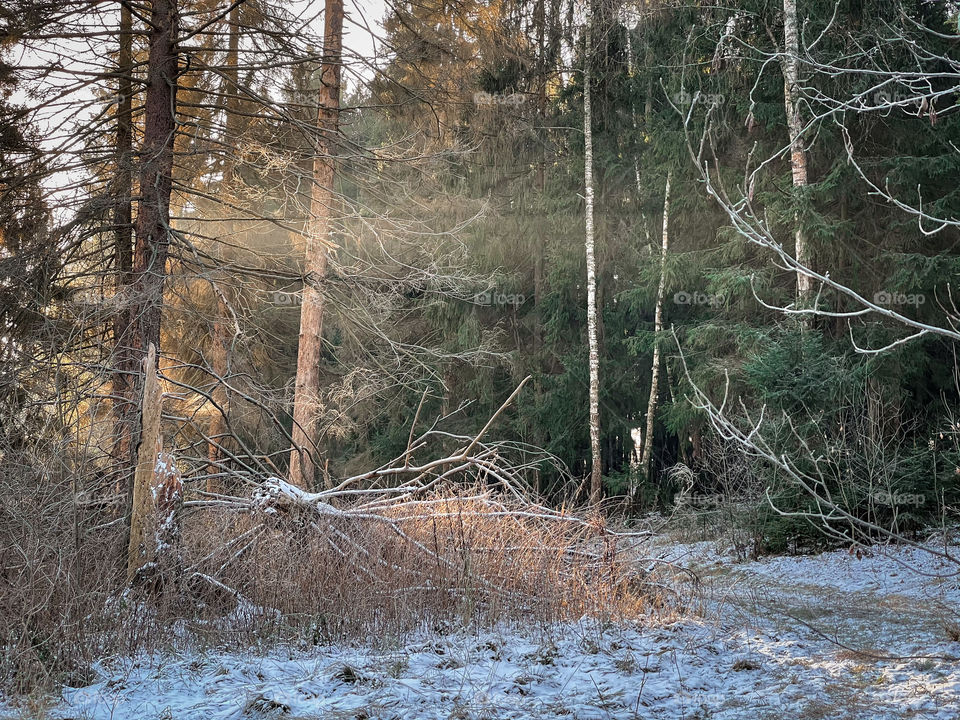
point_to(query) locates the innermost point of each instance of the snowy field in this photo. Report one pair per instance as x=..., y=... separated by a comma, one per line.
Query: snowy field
x=829, y=636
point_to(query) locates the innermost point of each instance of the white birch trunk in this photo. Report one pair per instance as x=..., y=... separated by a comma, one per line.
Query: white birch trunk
x=592, y=336
x=798, y=155
x=657, y=329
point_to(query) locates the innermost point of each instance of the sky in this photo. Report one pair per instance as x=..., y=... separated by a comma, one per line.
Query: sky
x=363, y=16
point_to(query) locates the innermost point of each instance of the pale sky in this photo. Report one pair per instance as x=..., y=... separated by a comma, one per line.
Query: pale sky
x=362, y=26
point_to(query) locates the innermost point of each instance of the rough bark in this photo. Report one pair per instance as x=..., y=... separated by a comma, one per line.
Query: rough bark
x=153, y=550
x=596, y=468
x=141, y=549
x=657, y=329
x=123, y=244
x=156, y=167
x=798, y=155
x=142, y=295
x=307, y=385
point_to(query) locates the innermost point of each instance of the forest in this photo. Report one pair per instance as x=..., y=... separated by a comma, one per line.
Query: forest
x=337, y=327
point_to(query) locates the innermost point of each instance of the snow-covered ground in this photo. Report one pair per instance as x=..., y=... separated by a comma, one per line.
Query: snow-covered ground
x=777, y=639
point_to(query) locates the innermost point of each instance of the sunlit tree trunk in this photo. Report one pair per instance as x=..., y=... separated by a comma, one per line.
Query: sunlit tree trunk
x=140, y=549
x=307, y=386
x=798, y=155
x=592, y=330
x=657, y=329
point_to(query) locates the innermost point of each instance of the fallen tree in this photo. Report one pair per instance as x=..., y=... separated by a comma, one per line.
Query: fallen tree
x=413, y=541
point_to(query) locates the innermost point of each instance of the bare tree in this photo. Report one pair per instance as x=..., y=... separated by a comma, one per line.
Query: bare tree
x=731, y=420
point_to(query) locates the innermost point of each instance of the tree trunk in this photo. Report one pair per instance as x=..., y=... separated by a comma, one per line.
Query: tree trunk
x=657, y=329
x=123, y=248
x=307, y=386
x=221, y=337
x=798, y=155
x=157, y=491
x=156, y=167
x=142, y=297
x=141, y=549
x=592, y=336
x=219, y=366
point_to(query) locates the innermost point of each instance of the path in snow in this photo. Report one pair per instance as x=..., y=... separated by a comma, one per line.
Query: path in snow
x=884, y=633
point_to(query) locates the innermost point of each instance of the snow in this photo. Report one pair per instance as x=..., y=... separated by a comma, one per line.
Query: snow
x=759, y=648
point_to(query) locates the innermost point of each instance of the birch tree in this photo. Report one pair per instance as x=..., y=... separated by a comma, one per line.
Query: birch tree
x=798, y=155
x=596, y=468
x=657, y=330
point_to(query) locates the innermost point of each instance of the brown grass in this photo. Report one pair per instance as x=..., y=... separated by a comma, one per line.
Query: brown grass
x=448, y=561
x=451, y=559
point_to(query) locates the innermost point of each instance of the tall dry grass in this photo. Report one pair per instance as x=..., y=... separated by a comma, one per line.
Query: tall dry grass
x=60, y=563
x=457, y=558
x=453, y=558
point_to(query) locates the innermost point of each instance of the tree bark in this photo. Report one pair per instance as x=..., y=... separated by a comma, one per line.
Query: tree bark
x=142, y=296
x=221, y=337
x=141, y=550
x=798, y=155
x=157, y=491
x=219, y=366
x=657, y=329
x=156, y=168
x=307, y=385
x=596, y=470
x=123, y=245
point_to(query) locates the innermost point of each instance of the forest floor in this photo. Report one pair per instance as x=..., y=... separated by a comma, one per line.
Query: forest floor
x=786, y=637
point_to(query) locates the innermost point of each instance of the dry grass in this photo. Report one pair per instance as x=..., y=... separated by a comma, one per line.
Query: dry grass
x=452, y=559
x=60, y=561
x=449, y=559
